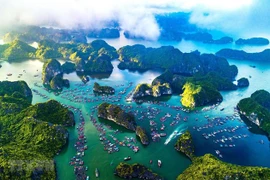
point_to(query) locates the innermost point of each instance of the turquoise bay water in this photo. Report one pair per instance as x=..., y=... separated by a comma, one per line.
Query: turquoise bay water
x=247, y=150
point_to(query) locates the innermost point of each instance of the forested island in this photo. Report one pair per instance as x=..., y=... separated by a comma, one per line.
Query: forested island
x=103, y=89
x=263, y=56
x=209, y=167
x=116, y=114
x=137, y=171
x=30, y=136
x=252, y=41
x=256, y=109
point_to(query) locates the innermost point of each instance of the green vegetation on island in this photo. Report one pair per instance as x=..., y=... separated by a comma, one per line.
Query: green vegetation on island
x=116, y=114
x=242, y=82
x=185, y=145
x=143, y=90
x=58, y=113
x=142, y=135
x=209, y=167
x=138, y=57
x=252, y=41
x=263, y=56
x=16, y=51
x=210, y=83
x=103, y=89
x=30, y=136
x=68, y=67
x=257, y=109
x=199, y=94
x=52, y=76
x=137, y=171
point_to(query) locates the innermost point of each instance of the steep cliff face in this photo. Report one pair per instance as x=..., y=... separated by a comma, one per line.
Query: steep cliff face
x=196, y=95
x=135, y=171
x=142, y=135
x=257, y=109
x=143, y=90
x=52, y=75
x=185, y=145
x=103, y=89
x=116, y=114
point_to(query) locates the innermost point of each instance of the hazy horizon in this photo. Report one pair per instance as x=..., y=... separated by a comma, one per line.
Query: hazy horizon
x=242, y=17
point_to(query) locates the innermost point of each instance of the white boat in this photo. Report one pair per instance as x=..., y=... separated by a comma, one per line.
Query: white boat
x=97, y=173
x=159, y=163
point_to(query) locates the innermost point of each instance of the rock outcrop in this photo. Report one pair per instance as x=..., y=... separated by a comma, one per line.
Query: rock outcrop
x=116, y=114
x=52, y=76
x=252, y=41
x=137, y=171
x=143, y=90
x=200, y=94
x=142, y=135
x=242, y=82
x=256, y=109
x=103, y=89
x=185, y=145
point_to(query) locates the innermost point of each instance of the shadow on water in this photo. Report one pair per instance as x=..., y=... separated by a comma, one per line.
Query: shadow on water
x=94, y=75
x=154, y=99
x=114, y=125
x=254, y=128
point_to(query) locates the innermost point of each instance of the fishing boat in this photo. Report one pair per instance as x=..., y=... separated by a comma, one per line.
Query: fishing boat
x=97, y=173
x=159, y=163
x=163, y=134
x=127, y=158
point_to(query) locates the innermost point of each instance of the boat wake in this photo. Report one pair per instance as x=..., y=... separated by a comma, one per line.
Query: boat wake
x=177, y=132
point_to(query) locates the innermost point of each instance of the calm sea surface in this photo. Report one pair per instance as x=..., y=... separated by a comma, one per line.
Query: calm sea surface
x=239, y=147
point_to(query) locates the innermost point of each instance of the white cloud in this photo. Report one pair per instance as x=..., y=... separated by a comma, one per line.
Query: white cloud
x=135, y=16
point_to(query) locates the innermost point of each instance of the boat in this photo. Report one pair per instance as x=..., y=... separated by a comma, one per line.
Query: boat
x=87, y=178
x=163, y=134
x=222, y=109
x=159, y=163
x=9, y=74
x=97, y=173
x=151, y=161
x=127, y=158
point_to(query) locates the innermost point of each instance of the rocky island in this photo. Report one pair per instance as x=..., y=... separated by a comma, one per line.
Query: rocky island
x=207, y=38
x=52, y=76
x=30, y=137
x=209, y=167
x=185, y=145
x=68, y=67
x=103, y=89
x=144, y=90
x=263, y=56
x=252, y=41
x=137, y=171
x=16, y=51
x=200, y=94
x=243, y=82
x=142, y=135
x=116, y=114
x=256, y=109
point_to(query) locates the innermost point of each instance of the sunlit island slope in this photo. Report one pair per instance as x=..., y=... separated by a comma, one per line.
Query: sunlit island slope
x=116, y=114
x=256, y=109
x=30, y=136
x=16, y=51
x=209, y=167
